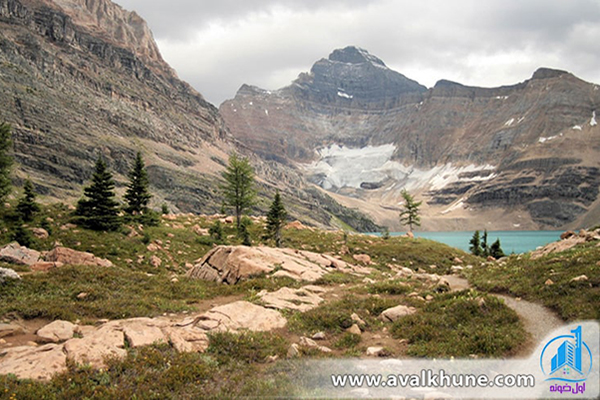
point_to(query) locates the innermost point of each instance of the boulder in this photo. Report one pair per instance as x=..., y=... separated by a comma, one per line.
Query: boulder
x=7, y=274
x=57, y=331
x=244, y=315
x=40, y=233
x=152, y=247
x=45, y=266
x=395, y=313
x=10, y=330
x=293, y=351
x=155, y=261
x=73, y=257
x=306, y=342
x=33, y=362
x=580, y=278
x=362, y=258
x=354, y=329
x=297, y=225
x=229, y=264
x=200, y=231
x=376, y=351
x=566, y=235
x=14, y=253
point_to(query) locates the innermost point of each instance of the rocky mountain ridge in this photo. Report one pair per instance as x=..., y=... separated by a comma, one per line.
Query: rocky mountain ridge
x=523, y=156
x=84, y=78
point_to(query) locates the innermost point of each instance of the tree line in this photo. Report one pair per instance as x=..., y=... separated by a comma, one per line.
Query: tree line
x=98, y=208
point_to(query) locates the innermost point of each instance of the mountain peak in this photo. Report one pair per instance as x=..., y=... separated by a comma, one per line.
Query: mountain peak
x=548, y=73
x=354, y=55
x=111, y=22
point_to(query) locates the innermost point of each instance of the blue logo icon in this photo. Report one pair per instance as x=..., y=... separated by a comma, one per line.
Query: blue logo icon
x=566, y=358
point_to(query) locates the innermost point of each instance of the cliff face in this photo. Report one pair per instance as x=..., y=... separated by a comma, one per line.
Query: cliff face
x=521, y=156
x=80, y=78
x=77, y=81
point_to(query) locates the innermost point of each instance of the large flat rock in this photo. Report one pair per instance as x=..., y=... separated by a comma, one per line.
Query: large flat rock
x=230, y=264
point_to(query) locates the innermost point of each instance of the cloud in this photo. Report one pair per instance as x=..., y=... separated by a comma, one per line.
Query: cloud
x=219, y=46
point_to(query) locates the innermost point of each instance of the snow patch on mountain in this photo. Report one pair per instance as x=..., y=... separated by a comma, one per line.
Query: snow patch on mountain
x=372, y=167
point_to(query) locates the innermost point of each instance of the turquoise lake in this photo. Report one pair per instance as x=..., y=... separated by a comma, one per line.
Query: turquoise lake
x=511, y=241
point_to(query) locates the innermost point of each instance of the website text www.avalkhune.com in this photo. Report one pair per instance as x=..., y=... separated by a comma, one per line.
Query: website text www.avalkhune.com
x=430, y=379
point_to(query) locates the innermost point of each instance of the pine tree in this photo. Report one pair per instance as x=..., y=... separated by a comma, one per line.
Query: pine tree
x=99, y=210
x=239, y=190
x=27, y=205
x=137, y=195
x=410, y=211
x=276, y=219
x=6, y=160
x=496, y=250
x=475, y=244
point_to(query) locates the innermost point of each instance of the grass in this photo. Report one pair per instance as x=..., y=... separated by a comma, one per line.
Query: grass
x=461, y=324
x=334, y=317
x=411, y=253
x=114, y=293
x=526, y=278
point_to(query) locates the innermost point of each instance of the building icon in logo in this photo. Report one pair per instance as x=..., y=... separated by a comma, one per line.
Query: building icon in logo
x=568, y=354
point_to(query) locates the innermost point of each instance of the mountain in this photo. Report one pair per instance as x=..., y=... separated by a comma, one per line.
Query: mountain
x=83, y=78
x=525, y=156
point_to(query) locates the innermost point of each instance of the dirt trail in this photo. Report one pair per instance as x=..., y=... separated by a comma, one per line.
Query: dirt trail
x=538, y=320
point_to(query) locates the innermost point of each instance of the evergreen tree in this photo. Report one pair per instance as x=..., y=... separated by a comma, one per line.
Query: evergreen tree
x=475, y=244
x=496, y=250
x=22, y=235
x=244, y=231
x=27, y=205
x=216, y=232
x=137, y=195
x=99, y=209
x=485, y=250
x=276, y=219
x=239, y=190
x=6, y=160
x=410, y=211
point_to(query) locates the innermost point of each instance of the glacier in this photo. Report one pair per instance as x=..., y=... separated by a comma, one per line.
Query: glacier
x=339, y=166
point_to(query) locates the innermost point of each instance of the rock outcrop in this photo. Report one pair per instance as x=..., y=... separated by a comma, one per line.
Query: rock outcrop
x=64, y=255
x=230, y=264
x=110, y=339
x=14, y=253
x=567, y=242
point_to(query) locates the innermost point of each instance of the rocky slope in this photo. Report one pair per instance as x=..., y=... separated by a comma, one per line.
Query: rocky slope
x=82, y=78
x=513, y=157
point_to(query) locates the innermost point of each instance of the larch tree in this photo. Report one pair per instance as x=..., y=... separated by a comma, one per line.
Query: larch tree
x=239, y=189
x=410, y=211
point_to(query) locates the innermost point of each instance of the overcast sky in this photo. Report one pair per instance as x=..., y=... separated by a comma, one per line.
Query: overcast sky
x=218, y=45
